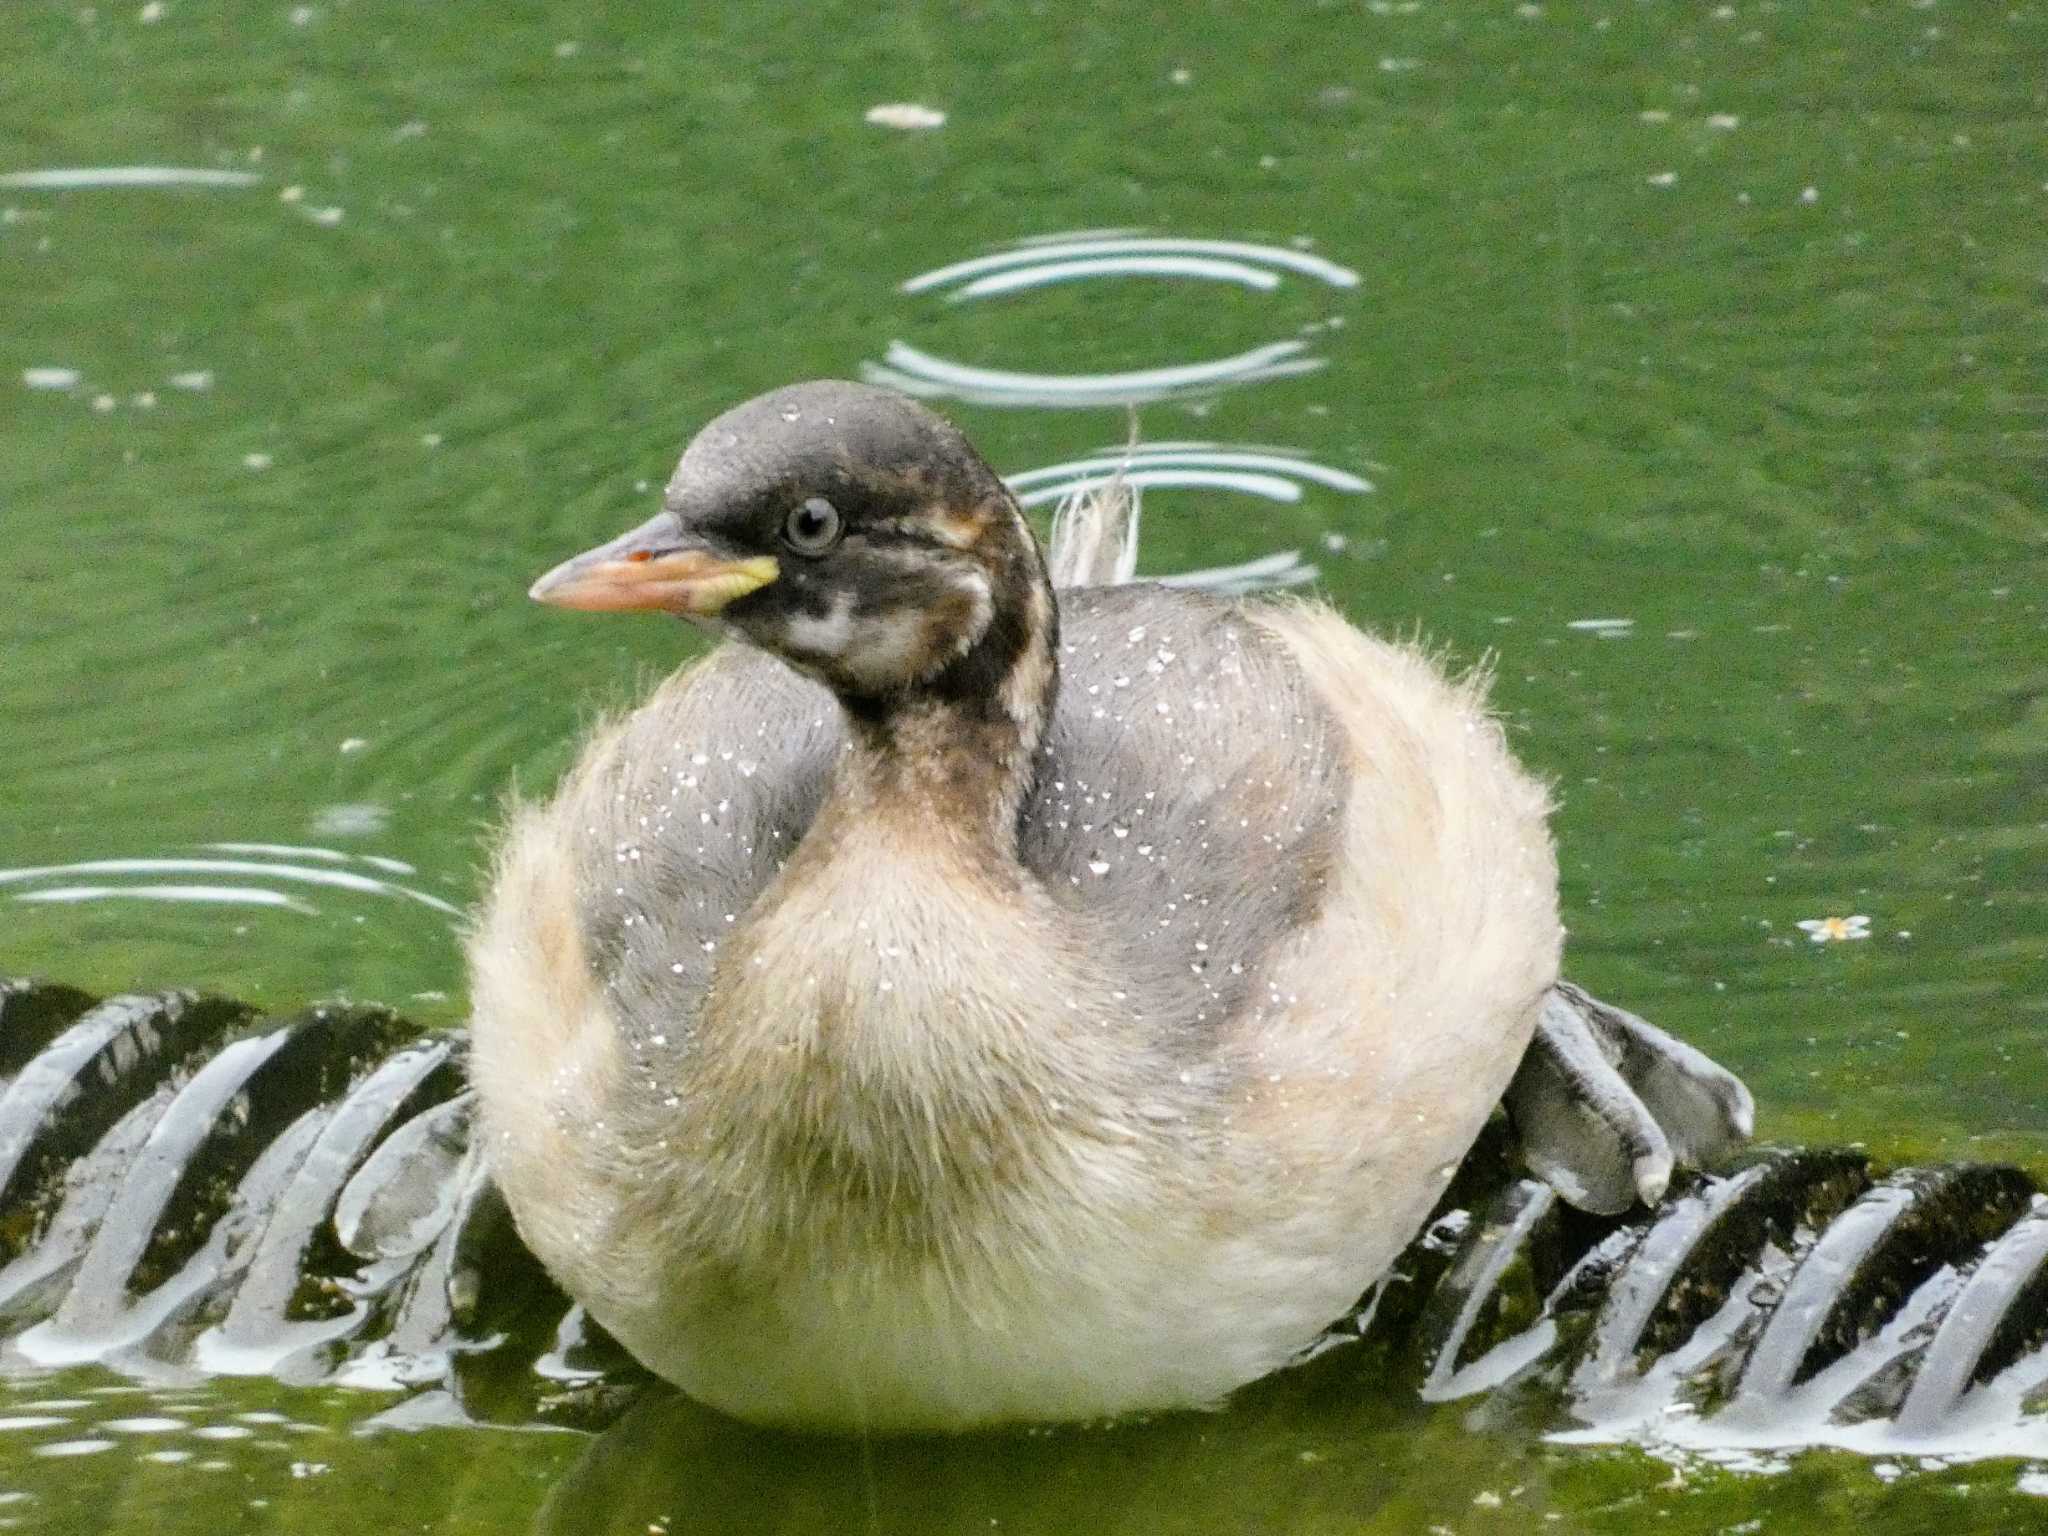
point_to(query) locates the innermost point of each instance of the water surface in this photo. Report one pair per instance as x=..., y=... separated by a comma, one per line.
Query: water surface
x=1693, y=358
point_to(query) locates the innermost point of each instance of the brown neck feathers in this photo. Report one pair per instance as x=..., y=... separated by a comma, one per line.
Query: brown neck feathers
x=958, y=749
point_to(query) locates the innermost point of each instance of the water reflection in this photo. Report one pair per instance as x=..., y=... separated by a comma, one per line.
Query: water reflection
x=1273, y=474
x=207, y=895
x=1078, y=257
x=265, y=864
x=82, y=177
x=1060, y=258
x=928, y=376
x=1313, y=1450
x=1276, y=474
x=1038, y=274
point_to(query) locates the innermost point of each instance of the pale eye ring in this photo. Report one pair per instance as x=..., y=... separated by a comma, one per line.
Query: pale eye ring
x=813, y=527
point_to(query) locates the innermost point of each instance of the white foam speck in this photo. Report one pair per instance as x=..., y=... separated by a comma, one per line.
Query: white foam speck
x=351, y=819
x=908, y=115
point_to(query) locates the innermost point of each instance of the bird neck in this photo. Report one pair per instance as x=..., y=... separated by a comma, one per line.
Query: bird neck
x=957, y=753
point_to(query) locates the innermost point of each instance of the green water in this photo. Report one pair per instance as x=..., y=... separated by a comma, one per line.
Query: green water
x=1727, y=321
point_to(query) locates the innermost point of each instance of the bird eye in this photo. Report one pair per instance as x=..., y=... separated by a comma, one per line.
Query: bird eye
x=812, y=528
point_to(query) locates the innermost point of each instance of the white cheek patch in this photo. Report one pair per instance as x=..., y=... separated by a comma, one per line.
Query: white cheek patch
x=805, y=635
x=887, y=649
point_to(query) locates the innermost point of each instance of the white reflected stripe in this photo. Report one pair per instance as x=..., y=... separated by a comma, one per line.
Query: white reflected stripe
x=911, y=384
x=227, y=895
x=1197, y=456
x=331, y=855
x=1037, y=275
x=343, y=879
x=1270, y=255
x=920, y=373
x=1284, y=569
x=1190, y=445
x=70, y=178
x=1069, y=236
x=1272, y=487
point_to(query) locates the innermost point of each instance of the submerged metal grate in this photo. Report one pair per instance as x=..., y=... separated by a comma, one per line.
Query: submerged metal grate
x=189, y=1187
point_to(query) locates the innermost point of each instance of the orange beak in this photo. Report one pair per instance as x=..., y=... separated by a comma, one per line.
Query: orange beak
x=653, y=567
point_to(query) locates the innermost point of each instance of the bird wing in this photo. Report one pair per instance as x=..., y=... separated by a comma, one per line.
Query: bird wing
x=1189, y=803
